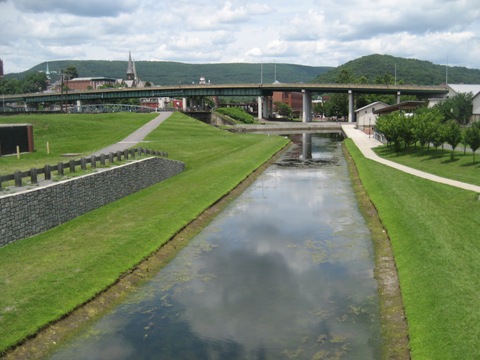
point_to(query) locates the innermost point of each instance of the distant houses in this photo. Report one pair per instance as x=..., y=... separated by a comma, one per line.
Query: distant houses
x=131, y=80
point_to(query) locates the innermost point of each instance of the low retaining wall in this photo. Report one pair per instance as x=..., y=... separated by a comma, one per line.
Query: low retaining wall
x=34, y=211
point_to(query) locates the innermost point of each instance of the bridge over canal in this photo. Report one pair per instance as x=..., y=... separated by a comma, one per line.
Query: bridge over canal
x=262, y=92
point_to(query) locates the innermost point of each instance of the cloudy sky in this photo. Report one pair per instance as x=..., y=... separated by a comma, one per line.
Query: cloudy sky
x=307, y=32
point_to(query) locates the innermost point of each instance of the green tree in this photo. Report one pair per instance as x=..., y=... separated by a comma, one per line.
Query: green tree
x=318, y=109
x=337, y=105
x=438, y=134
x=283, y=109
x=464, y=141
x=390, y=126
x=453, y=135
x=10, y=86
x=34, y=82
x=71, y=72
x=407, y=129
x=425, y=120
x=459, y=108
x=472, y=137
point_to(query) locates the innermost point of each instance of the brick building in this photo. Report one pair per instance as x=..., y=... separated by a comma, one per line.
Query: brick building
x=89, y=83
x=293, y=99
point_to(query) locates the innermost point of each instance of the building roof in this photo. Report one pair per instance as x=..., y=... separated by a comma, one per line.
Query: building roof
x=98, y=78
x=404, y=105
x=374, y=104
x=465, y=88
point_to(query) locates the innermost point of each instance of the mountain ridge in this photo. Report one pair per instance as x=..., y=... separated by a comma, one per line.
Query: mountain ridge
x=174, y=73
x=404, y=70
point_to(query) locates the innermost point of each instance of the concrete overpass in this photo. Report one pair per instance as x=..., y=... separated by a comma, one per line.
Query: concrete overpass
x=261, y=91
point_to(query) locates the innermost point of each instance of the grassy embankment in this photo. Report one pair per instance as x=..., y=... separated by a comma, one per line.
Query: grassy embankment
x=438, y=162
x=434, y=231
x=80, y=134
x=46, y=276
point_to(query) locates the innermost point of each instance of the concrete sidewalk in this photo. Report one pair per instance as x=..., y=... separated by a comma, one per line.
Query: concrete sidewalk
x=366, y=144
x=135, y=137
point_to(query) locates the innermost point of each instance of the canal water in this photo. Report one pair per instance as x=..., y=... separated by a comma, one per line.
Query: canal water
x=285, y=272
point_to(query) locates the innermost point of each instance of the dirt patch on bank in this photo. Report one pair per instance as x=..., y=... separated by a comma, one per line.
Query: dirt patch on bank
x=46, y=340
x=393, y=320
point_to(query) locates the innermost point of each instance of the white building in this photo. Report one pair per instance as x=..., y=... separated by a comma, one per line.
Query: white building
x=365, y=116
x=455, y=89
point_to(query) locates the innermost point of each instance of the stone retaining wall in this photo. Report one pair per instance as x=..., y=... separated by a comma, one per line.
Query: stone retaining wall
x=34, y=211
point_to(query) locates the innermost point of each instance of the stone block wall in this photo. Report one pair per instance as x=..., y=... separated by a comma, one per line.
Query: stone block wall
x=34, y=211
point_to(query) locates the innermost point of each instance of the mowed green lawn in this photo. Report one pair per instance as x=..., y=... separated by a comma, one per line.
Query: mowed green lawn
x=435, y=234
x=437, y=161
x=46, y=276
x=82, y=134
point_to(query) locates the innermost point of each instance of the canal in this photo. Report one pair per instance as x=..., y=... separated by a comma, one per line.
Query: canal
x=285, y=272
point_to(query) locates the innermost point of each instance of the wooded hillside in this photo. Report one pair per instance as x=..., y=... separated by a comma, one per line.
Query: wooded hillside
x=408, y=71
x=174, y=73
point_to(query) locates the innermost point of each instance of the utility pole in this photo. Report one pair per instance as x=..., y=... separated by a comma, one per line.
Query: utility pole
x=261, y=71
x=61, y=91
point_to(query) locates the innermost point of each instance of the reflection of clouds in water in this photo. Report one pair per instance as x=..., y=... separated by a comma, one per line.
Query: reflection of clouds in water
x=256, y=301
x=282, y=271
x=326, y=215
x=112, y=347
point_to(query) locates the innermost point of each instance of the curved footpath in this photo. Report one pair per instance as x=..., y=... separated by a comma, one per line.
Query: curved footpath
x=136, y=136
x=366, y=143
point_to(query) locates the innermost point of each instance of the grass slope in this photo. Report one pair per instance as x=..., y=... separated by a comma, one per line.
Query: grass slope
x=438, y=162
x=46, y=276
x=434, y=231
x=82, y=134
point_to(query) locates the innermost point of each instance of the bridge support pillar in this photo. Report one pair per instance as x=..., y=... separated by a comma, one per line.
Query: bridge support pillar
x=307, y=146
x=270, y=107
x=307, y=106
x=161, y=103
x=184, y=104
x=260, y=107
x=399, y=94
x=265, y=111
x=350, y=106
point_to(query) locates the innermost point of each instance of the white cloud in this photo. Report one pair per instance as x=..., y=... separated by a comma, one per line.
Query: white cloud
x=326, y=33
x=89, y=8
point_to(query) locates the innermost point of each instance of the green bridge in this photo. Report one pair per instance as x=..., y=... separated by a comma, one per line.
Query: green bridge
x=261, y=91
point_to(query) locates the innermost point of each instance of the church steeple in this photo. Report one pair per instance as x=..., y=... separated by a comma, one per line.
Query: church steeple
x=130, y=68
x=47, y=72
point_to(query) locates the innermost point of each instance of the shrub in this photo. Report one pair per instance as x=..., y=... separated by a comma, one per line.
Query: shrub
x=237, y=114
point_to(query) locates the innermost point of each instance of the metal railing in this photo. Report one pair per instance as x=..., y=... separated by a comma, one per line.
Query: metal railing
x=72, y=165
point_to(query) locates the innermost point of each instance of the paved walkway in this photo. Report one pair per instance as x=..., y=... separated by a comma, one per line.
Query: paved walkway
x=366, y=144
x=135, y=137
x=129, y=141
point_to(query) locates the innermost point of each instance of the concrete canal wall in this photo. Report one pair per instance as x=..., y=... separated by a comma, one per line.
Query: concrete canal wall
x=34, y=211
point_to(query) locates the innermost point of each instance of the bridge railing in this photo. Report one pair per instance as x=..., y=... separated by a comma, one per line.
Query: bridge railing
x=72, y=165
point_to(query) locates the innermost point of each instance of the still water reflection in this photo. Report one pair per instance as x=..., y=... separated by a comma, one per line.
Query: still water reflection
x=284, y=273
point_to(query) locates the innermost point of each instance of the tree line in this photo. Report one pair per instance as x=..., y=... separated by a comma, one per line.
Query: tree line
x=34, y=82
x=445, y=123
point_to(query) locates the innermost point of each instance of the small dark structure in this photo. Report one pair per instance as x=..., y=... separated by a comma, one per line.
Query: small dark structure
x=13, y=135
